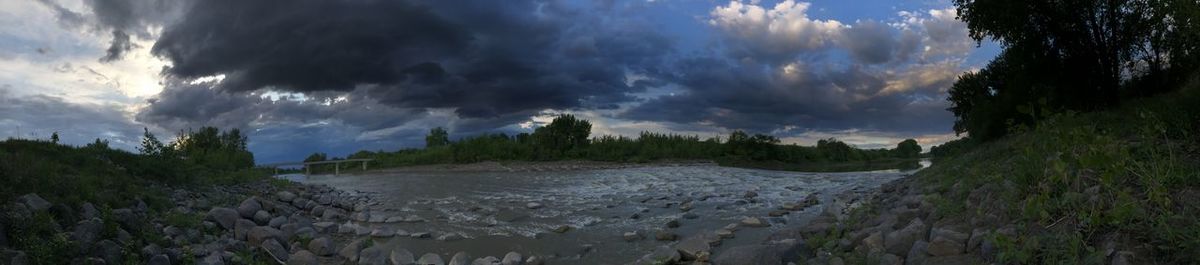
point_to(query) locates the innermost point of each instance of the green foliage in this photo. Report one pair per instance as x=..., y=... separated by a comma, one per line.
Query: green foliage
x=38, y=237
x=566, y=138
x=1074, y=178
x=437, y=137
x=1076, y=55
x=953, y=147
x=908, y=149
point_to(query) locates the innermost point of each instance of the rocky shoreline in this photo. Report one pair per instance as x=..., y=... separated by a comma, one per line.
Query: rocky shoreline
x=316, y=224
x=286, y=224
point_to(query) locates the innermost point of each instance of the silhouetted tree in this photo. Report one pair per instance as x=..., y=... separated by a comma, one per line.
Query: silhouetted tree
x=437, y=137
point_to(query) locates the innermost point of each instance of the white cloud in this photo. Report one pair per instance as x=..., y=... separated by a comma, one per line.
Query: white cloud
x=784, y=29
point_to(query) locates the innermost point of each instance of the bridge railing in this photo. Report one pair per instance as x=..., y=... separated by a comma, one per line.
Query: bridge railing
x=337, y=168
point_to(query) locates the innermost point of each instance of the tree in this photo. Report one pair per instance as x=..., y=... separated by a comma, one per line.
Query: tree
x=437, y=137
x=54, y=137
x=150, y=144
x=563, y=134
x=908, y=149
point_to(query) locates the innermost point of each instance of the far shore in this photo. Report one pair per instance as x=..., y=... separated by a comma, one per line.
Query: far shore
x=537, y=166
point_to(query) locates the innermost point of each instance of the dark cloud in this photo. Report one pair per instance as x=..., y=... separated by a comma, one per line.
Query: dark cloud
x=123, y=18
x=872, y=42
x=120, y=45
x=485, y=59
x=816, y=97
x=37, y=116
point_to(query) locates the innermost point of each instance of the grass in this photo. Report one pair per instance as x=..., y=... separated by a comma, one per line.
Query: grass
x=1077, y=179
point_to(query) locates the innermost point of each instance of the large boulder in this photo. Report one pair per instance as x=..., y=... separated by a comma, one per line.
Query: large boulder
x=374, y=255
x=303, y=257
x=249, y=207
x=460, y=258
x=430, y=259
x=512, y=258
x=128, y=219
x=34, y=202
x=160, y=259
x=259, y=234
x=918, y=253
x=242, y=227
x=224, y=217
x=276, y=251
x=88, y=211
x=401, y=256
x=322, y=246
x=262, y=217
x=285, y=196
x=350, y=251
x=942, y=246
x=900, y=241
x=86, y=232
x=693, y=247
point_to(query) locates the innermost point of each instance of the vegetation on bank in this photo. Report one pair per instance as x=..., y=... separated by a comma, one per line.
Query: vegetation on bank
x=567, y=138
x=110, y=179
x=1129, y=176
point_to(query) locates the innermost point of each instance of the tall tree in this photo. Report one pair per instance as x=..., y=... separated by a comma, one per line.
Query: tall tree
x=437, y=137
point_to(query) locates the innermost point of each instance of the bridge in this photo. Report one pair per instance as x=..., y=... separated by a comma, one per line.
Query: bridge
x=337, y=168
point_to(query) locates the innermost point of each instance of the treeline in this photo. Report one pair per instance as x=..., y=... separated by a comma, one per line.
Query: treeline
x=567, y=137
x=98, y=173
x=1068, y=56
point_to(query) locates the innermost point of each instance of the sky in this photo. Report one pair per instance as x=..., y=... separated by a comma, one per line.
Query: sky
x=338, y=76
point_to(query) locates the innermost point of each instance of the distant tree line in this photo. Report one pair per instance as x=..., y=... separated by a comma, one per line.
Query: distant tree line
x=1073, y=55
x=567, y=137
x=204, y=153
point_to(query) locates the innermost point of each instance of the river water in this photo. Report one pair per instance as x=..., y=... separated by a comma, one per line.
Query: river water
x=491, y=208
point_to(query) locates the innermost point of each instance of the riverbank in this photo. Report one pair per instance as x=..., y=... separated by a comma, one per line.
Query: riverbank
x=536, y=166
x=1112, y=187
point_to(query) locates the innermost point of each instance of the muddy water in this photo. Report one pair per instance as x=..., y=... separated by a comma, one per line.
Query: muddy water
x=491, y=208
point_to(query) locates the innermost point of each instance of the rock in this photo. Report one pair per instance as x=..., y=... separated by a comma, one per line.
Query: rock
x=942, y=246
x=412, y=218
x=512, y=258
x=534, y=205
x=262, y=217
x=377, y=218
x=900, y=241
x=686, y=207
x=109, y=251
x=918, y=253
x=223, y=216
x=660, y=255
x=977, y=237
x=303, y=257
x=285, y=196
x=259, y=234
x=665, y=236
x=889, y=259
x=692, y=247
x=322, y=246
x=489, y=260
x=160, y=259
x=460, y=258
x=275, y=251
x=754, y=222
x=1122, y=258
x=88, y=211
x=673, y=223
x=325, y=227
x=562, y=229
x=242, y=227
x=374, y=255
x=690, y=216
x=34, y=202
x=534, y=260
x=452, y=236
x=420, y=235
x=86, y=232
x=127, y=219
x=383, y=231
x=631, y=236
x=874, y=242
x=724, y=233
x=750, y=195
x=249, y=207
x=401, y=256
x=750, y=255
x=347, y=228
x=351, y=250
x=277, y=221
x=430, y=259
x=952, y=260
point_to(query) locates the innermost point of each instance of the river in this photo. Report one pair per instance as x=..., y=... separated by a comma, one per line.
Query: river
x=491, y=209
